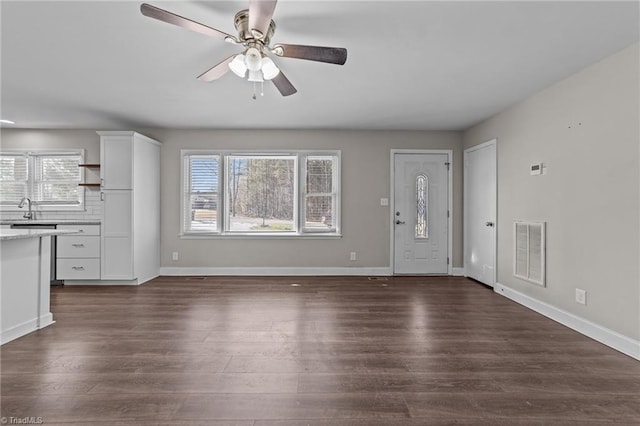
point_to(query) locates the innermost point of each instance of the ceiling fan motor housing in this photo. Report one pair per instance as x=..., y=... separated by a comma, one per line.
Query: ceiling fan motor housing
x=241, y=22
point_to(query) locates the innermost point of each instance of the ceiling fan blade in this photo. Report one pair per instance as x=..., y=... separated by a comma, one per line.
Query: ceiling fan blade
x=172, y=18
x=284, y=85
x=216, y=71
x=331, y=55
x=260, y=14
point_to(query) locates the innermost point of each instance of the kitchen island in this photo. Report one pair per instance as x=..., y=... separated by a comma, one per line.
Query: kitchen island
x=25, y=256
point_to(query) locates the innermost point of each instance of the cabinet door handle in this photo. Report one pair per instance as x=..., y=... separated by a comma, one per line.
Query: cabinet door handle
x=78, y=245
x=78, y=268
x=102, y=196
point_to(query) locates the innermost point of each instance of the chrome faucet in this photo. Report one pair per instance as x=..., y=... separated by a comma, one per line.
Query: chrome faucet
x=30, y=214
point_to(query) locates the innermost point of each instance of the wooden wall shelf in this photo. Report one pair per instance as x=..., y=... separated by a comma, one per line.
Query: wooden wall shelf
x=90, y=166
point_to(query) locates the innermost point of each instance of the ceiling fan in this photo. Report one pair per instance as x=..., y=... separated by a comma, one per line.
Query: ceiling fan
x=255, y=29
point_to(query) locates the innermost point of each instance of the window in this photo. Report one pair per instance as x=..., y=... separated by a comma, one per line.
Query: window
x=250, y=193
x=261, y=193
x=320, y=195
x=422, y=200
x=48, y=179
x=201, y=192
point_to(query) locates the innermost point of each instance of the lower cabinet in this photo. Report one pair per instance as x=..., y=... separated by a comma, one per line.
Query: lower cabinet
x=117, y=235
x=78, y=255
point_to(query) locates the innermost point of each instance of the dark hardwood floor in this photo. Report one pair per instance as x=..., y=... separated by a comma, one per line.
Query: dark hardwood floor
x=330, y=351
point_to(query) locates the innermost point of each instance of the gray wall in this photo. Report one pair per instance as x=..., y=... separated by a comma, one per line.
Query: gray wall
x=365, y=179
x=53, y=139
x=585, y=130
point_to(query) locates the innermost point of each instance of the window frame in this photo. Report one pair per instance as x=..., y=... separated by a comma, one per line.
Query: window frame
x=335, y=193
x=222, y=228
x=35, y=178
x=184, y=196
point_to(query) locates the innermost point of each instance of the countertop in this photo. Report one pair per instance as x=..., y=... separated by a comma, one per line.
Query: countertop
x=49, y=222
x=18, y=234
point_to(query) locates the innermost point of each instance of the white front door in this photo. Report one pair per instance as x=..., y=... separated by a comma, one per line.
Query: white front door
x=420, y=215
x=480, y=212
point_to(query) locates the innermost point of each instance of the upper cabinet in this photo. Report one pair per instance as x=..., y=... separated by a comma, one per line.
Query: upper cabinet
x=118, y=168
x=116, y=160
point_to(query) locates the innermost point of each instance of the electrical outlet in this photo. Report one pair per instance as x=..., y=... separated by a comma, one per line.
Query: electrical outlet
x=581, y=296
x=353, y=256
x=174, y=256
x=384, y=201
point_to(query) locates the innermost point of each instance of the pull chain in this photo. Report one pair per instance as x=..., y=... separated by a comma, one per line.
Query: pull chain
x=254, y=91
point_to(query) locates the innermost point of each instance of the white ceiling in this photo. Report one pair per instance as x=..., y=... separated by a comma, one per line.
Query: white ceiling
x=414, y=65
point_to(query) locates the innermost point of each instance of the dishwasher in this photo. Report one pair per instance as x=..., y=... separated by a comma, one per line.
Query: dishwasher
x=53, y=280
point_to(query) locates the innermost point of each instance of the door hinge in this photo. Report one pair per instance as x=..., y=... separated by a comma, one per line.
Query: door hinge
x=447, y=260
x=447, y=164
x=448, y=213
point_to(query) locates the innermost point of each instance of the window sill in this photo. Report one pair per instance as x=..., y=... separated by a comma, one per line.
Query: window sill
x=240, y=236
x=44, y=209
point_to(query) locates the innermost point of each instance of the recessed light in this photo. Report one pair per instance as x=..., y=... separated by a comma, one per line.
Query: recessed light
x=7, y=122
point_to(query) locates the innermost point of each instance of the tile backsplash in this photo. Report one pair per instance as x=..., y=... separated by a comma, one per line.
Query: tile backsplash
x=92, y=210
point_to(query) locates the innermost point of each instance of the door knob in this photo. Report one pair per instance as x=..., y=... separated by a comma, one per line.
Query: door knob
x=490, y=224
x=399, y=222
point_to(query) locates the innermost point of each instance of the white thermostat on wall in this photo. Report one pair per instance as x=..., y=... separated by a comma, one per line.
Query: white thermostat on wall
x=536, y=169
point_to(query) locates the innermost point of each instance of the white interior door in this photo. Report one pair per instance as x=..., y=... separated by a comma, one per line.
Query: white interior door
x=480, y=194
x=420, y=221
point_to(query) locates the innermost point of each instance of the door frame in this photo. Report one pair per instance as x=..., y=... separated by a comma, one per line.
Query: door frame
x=392, y=200
x=465, y=217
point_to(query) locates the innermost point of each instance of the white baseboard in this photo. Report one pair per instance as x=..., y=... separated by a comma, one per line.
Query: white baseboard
x=603, y=335
x=276, y=271
x=26, y=328
x=458, y=272
x=137, y=281
x=100, y=282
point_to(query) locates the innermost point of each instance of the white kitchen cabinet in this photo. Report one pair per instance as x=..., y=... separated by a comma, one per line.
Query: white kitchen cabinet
x=116, y=160
x=130, y=178
x=117, y=241
x=78, y=255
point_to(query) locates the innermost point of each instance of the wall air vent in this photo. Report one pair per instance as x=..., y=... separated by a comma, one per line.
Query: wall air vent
x=529, y=251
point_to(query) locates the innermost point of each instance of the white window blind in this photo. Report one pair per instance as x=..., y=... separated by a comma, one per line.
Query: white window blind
x=201, y=193
x=48, y=179
x=321, y=193
x=13, y=178
x=56, y=179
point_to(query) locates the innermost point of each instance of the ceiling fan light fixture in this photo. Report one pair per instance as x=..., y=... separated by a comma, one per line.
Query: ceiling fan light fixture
x=255, y=76
x=269, y=69
x=253, y=59
x=238, y=66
